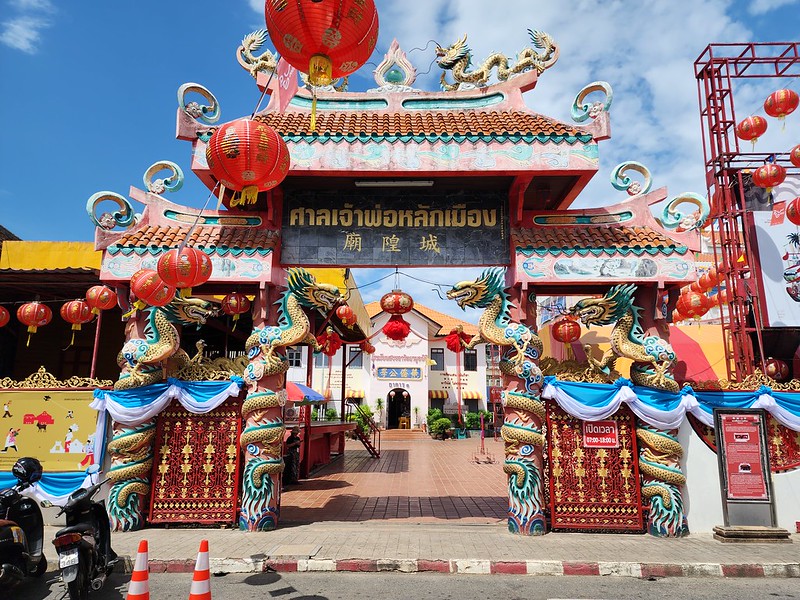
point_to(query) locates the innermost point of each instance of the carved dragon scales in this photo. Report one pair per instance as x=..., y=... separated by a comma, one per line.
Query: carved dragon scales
x=458, y=58
x=262, y=436
x=523, y=410
x=652, y=357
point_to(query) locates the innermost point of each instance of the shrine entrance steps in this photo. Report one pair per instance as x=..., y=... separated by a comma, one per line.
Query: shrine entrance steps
x=403, y=435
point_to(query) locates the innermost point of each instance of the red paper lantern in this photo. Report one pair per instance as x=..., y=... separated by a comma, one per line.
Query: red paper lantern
x=330, y=342
x=781, y=103
x=751, y=128
x=327, y=39
x=235, y=304
x=709, y=279
x=247, y=156
x=100, y=297
x=34, y=315
x=566, y=330
x=366, y=347
x=793, y=211
x=76, y=312
x=794, y=156
x=678, y=316
x=150, y=289
x=769, y=175
x=184, y=269
x=5, y=317
x=346, y=315
x=721, y=298
x=397, y=328
x=396, y=302
x=776, y=369
x=693, y=304
x=696, y=287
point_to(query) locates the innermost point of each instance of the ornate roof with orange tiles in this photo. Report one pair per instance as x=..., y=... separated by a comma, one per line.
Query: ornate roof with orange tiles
x=233, y=240
x=446, y=322
x=594, y=240
x=510, y=125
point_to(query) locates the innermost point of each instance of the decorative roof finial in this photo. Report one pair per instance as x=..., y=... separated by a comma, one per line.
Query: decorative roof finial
x=394, y=73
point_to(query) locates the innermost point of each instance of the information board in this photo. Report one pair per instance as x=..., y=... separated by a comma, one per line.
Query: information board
x=741, y=441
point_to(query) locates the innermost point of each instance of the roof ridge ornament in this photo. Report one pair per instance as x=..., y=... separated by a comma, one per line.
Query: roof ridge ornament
x=620, y=181
x=395, y=73
x=581, y=111
x=458, y=57
x=266, y=62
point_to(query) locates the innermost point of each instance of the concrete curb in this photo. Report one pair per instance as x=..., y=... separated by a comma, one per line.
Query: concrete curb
x=470, y=566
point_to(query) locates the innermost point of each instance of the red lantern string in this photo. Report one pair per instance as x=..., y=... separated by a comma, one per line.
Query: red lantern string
x=76, y=312
x=330, y=342
x=397, y=328
x=5, y=317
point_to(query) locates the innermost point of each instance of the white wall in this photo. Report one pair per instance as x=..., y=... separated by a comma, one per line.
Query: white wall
x=703, y=494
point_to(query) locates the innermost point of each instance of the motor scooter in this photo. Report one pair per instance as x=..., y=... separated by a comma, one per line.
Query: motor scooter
x=21, y=528
x=84, y=549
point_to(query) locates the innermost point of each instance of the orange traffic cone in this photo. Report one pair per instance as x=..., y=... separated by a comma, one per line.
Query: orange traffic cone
x=139, y=587
x=201, y=581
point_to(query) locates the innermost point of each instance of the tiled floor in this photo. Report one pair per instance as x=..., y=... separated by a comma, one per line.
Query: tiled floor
x=416, y=481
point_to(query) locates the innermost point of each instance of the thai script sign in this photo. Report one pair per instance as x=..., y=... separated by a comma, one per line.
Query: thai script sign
x=743, y=454
x=414, y=373
x=55, y=426
x=600, y=434
x=394, y=227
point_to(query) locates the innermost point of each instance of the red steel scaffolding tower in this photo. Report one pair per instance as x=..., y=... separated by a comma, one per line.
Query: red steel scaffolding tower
x=715, y=70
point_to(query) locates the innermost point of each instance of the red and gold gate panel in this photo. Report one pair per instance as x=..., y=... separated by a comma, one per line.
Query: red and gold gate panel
x=196, y=471
x=593, y=485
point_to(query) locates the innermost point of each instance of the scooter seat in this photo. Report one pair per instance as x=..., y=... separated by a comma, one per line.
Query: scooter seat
x=77, y=528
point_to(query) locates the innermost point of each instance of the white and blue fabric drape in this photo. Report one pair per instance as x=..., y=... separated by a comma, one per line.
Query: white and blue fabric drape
x=134, y=407
x=663, y=409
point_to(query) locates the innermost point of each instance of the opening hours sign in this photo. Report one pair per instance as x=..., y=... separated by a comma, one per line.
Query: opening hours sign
x=600, y=434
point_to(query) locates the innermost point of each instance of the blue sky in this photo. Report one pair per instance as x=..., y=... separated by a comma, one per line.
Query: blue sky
x=89, y=88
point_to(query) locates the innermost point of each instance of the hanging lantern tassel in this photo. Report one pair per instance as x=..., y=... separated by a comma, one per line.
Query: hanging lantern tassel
x=31, y=330
x=397, y=328
x=313, y=110
x=235, y=319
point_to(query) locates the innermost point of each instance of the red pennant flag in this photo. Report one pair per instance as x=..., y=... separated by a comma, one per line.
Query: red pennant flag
x=287, y=84
x=778, y=213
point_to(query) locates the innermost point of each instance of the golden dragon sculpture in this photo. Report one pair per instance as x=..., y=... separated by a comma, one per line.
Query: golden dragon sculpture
x=653, y=358
x=158, y=354
x=457, y=58
x=267, y=62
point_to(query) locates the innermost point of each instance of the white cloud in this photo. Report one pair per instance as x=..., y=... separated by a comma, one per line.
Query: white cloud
x=760, y=7
x=32, y=5
x=23, y=33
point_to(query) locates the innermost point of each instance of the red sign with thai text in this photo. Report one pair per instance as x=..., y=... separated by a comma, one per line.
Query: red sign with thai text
x=600, y=434
x=741, y=438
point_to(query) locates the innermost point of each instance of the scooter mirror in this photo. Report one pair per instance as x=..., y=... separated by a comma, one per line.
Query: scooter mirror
x=46, y=504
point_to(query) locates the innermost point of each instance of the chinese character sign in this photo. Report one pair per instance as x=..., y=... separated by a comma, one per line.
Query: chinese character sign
x=394, y=227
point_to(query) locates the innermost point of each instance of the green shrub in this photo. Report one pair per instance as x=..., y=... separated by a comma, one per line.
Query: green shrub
x=362, y=420
x=331, y=414
x=441, y=426
x=434, y=414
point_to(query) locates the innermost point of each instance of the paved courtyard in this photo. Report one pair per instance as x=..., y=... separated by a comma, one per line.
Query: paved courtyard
x=423, y=480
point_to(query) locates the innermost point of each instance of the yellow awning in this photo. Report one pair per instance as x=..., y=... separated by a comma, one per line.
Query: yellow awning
x=471, y=395
x=354, y=394
x=48, y=256
x=437, y=394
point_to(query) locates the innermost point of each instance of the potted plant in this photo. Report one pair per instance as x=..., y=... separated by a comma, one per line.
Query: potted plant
x=379, y=409
x=416, y=416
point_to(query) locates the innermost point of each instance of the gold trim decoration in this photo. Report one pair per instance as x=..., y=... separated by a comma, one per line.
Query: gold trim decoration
x=751, y=382
x=41, y=379
x=217, y=369
x=572, y=370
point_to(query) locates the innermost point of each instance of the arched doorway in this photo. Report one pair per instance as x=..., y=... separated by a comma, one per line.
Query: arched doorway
x=398, y=403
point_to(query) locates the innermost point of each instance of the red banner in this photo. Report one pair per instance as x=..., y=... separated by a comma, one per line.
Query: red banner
x=287, y=84
x=743, y=451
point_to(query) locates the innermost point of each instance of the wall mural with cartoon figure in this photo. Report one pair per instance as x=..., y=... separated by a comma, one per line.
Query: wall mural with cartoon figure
x=58, y=427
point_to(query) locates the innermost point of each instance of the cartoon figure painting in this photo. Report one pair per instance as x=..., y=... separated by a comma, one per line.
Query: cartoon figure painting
x=69, y=437
x=88, y=459
x=791, y=273
x=11, y=440
x=7, y=409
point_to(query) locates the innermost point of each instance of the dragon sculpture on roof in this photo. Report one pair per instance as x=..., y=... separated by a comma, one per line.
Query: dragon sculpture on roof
x=458, y=58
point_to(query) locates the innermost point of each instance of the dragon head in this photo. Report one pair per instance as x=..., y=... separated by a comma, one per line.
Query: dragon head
x=189, y=311
x=480, y=292
x=449, y=57
x=608, y=309
x=309, y=293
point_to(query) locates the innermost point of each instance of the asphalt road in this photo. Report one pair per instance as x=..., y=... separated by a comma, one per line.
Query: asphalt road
x=424, y=586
